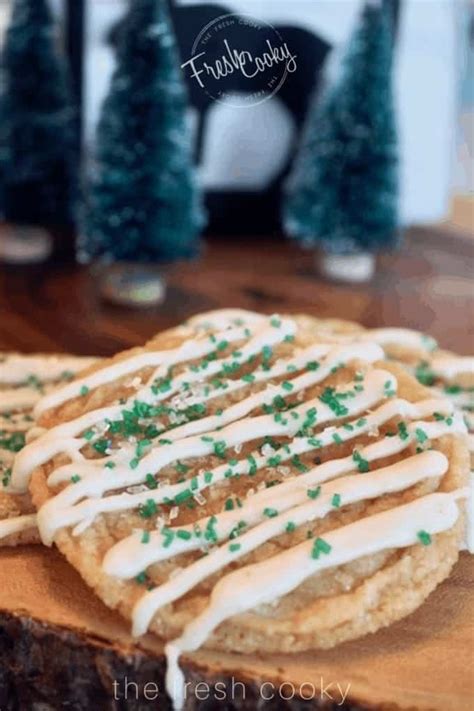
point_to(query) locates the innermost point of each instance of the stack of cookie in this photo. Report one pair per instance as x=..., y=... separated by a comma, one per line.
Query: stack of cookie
x=249, y=483
x=23, y=382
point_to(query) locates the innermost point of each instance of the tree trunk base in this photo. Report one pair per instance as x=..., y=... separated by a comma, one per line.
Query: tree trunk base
x=133, y=285
x=21, y=244
x=354, y=268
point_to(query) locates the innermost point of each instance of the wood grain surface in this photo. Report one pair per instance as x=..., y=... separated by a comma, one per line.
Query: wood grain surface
x=59, y=644
x=427, y=285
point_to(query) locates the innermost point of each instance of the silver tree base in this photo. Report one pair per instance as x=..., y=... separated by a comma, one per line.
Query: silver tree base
x=22, y=244
x=129, y=284
x=354, y=268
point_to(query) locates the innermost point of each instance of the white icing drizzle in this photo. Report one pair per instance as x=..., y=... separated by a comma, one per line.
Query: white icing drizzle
x=23, y=398
x=225, y=318
x=382, y=336
x=397, y=336
x=259, y=583
x=130, y=556
x=61, y=438
x=449, y=367
x=15, y=369
x=189, y=350
x=62, y=510
x=17, y=524
x=16, y=422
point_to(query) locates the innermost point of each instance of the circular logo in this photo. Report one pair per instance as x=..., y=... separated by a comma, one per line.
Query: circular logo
x=239, y=60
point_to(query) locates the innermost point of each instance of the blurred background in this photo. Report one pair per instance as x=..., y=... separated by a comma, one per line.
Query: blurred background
x=114, y=154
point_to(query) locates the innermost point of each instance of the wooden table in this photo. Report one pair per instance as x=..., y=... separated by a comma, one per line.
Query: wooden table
x=427, y=285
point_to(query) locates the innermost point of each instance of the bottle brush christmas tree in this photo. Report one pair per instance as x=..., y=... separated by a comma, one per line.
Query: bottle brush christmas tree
x=342, y=193
x=143, y=202
x=38, y=141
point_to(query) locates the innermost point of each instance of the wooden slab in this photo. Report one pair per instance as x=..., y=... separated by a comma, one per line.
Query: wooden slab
x=59, y=646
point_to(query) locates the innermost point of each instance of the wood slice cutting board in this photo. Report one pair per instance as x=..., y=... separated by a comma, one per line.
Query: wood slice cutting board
x=61, y=648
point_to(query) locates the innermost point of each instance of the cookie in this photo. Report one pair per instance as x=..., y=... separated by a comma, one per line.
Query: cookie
x=23, y=381
x=248, y=484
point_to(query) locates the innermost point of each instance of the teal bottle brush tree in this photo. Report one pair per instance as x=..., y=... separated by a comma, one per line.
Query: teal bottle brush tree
x=342, y=193
x=143, y=206
x=38, y=137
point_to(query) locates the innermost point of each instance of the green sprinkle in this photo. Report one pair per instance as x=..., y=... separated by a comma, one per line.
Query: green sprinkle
x=312, y=365
x=229, y=505
x=424, y=537
x=452, y=389
x=234, y=547
x=141, y=578
x=296, y=461
x=183, y=496
x=332, y=399
x=362, y=464
x=424, y=374
x=168, y=535
x=208, y=476
x=275, y=322
x=336, y=500
x=403, y=430
x=110, y=465
x=253, y=465
x=270, y=513
x=313, y=493
x=274, y=461
x=183, y=534
x=161, y=386
x=151, y=482
x=146, y=537
x=210, y=533
x=267, y=353
x=421, y=435
x=220, y=448
x=249, y=378
x=290, y=527
x=101, y=446
x=88, y=434
x=279, y=402
x=7, y=474
x=75, y=478
x=181, y=468
x=320, y=546
x=148, y=509
x=84, y=390
x=286, y=385
x=13, y=442
x=133, y=464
